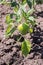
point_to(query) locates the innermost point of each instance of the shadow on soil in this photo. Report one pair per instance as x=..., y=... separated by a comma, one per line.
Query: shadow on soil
x=37, y=42
x=40, y=14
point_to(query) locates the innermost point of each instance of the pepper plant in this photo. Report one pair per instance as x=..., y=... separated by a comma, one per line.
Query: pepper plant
x=24, y=20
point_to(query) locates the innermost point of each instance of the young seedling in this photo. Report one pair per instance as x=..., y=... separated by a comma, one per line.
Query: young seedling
x=25, y=21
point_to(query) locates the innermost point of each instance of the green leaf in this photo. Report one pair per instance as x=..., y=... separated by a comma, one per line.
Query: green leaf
x=18, y=18
x=9, y=30
x=30, y=12
x=29, y=3
x=23, y=28
x=30, y=30
x=24, y=14
x=14, y=4
x=23, y=1
x=31, y=18
x=33, y=3
x=2, y=1
x=12, y=30
x=26, y=47
x=16, y=8
x=8, y=19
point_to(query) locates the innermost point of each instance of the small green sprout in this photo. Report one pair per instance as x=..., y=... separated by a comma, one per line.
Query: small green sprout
x=25, y=20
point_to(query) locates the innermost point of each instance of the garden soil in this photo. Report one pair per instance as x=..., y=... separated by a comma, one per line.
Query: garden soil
x=10, y=49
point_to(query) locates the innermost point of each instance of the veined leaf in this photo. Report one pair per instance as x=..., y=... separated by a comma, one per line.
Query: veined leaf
x=8, y=19
x=16, y=8
x=9, y=30
x=23, y=7
x=26, y=47
x=30, y=12
x=31, y=18
x=24, y=14
x=23, y=28
x=12, y=30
